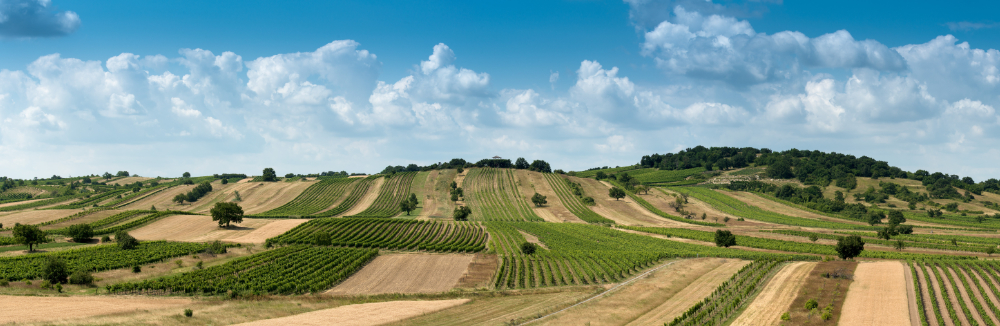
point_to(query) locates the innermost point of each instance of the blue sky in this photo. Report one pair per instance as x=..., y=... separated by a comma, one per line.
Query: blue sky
x=159, y=88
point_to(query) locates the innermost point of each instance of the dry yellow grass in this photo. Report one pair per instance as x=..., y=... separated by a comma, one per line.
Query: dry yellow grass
x=622, y=211
x=406, y=273
x=367, y=200
x=22, y=309
x=128, y=180
x=95, y=216
x=20, y=203
x=779, y=292
x=36, y=216
x=877, y=296
x=694, y=292
x=362, y=314
x=266, y=196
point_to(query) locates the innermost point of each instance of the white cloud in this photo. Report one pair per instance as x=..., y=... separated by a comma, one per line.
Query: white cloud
x=182, y=109
x=35, y=18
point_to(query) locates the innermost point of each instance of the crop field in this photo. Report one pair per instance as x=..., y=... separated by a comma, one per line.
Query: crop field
x=956, y=292
x=353, y=198
x=390, y=234
x=655, y=176
x=733, y=206
x=730, y=297
x=292, y=269
x=406, y=273
x=98, y=258
x=395, y=190
x=317, y=197
x=572, y=201
x=493, y=196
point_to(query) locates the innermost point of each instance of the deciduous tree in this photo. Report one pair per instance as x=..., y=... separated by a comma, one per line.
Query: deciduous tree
x=616, y=193
x=538, y=199
x=849, y=247
x=461, y=213
x=724, y=238
x=226, y=213
x=29, y=235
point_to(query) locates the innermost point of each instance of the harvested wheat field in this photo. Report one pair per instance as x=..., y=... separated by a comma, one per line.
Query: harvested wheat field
x=504, y=310
x=406, y=273
x=163, y=199
x=877, y=296
x=363, y=314
x=28, y=309
x=91, y=217
x=554, y=208
x=694, y=292
x=37, y=216
x=20, y=202
x=269, y=230
x=367, y=200
x=639, y=301
x=200, y=228
x=623, y=211
x=265, y=196
x=773, y=300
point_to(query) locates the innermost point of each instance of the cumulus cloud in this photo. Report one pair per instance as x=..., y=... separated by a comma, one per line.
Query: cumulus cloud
x=35, y=18
x=724, y=48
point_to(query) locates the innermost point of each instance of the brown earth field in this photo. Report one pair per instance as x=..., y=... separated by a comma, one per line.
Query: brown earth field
x=406, y=273
x=554, y=207
x=623, y=211
x=480, y=271
x=163, y=199
x=36, y=216
x=30, y=309
x=771, y=302
x=266, y=196
x=201, y=228
x=826, y=291
x=367, y=199
x=362, y=314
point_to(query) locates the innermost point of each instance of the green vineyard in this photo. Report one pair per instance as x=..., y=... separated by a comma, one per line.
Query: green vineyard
x=316, y=198
x=492, y=195
x=289, y=270
x=357, y=192
x=97, y=258
x=394, y=191
x=572, y=202
x=730, y=297
x=107, y=220
x=395, y=234
x=730, y=205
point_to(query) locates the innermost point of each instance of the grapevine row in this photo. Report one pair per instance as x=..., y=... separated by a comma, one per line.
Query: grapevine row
x=352, y=199
x=397, y=234
x=95, y=259
x=729, y=298
x=573, y=203
x=395, y=190
x=735, y=207
x=317, y=197
x=492, y=194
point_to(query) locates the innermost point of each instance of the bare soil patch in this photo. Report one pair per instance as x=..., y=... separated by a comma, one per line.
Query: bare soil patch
x=480, y=271
x=877, y=296
x=911, y=295
x=198, y=228
x=640, y=297
x=773, y=300
x=36, y=216
x=428, y=202
x=367, y=200
x=532, y=239
x=694, y=292
x=406, y=273
x=266, y=231
x=363, y=314
x=163, y=199
x=25, y=309
x=826, y=291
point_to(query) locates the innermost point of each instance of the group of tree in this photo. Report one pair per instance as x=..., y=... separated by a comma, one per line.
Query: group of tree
x=195, y=194
x=461, y=213
x=29, y=235
x=456, y=191
x=409, y=204
x=536, y=165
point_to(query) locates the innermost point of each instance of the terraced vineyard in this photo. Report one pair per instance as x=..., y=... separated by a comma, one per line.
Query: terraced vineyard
x=656, y=176
x=572, y=202
x=735, y=207
x=352, y=199
x=94, y=199
x=289, y=270
x=124, y=223
x=977, y=279
x=916, y=241
x=492, y=195
x=730, y=297
x=39, y=203
x=395, y=190
x=395, y=234
x=107, y=220
x=587, y=254
x=95, y=259
x=317, y=197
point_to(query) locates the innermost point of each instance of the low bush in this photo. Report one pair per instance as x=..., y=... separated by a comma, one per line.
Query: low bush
x=81, y=277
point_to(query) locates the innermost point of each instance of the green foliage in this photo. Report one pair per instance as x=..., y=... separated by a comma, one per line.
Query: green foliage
x=321, y=238
x=29, y=235
x=730, y=297
x=538, y=200
x=136, y=269
x=395, y=234
x=95, y=258
x=55, y=270
x=528, y=248
x=616, y=193
x=81, y=232
x=461, y=213
x=226, y=212
x=811, y=304
x=849, y=247
x=125, y=241
x=269, y=175
x=189, y=312
x=81, y=277
x=492, y=195
x=289, y=270
x=724, y=238
x=393, y=192
x=314, y=199
x=732, y=206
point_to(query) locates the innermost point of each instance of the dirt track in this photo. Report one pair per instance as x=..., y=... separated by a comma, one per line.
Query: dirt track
x=27, y=309
x=362, y=314
x=877, y=296
x=406, y=273
x=773, y=300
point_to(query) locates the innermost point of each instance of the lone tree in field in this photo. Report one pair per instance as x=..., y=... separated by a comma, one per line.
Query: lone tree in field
x=724, y=238
x=461, y=213
x=180, y=198
x=616, y=193
x=80, y=232
x=528, y=248
x=186, y=175
x=409, y=204
x=226, y=213
x=538, y=200
x=849, y=247
x=29, y=235
x=270, y=175
x=55, y=270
